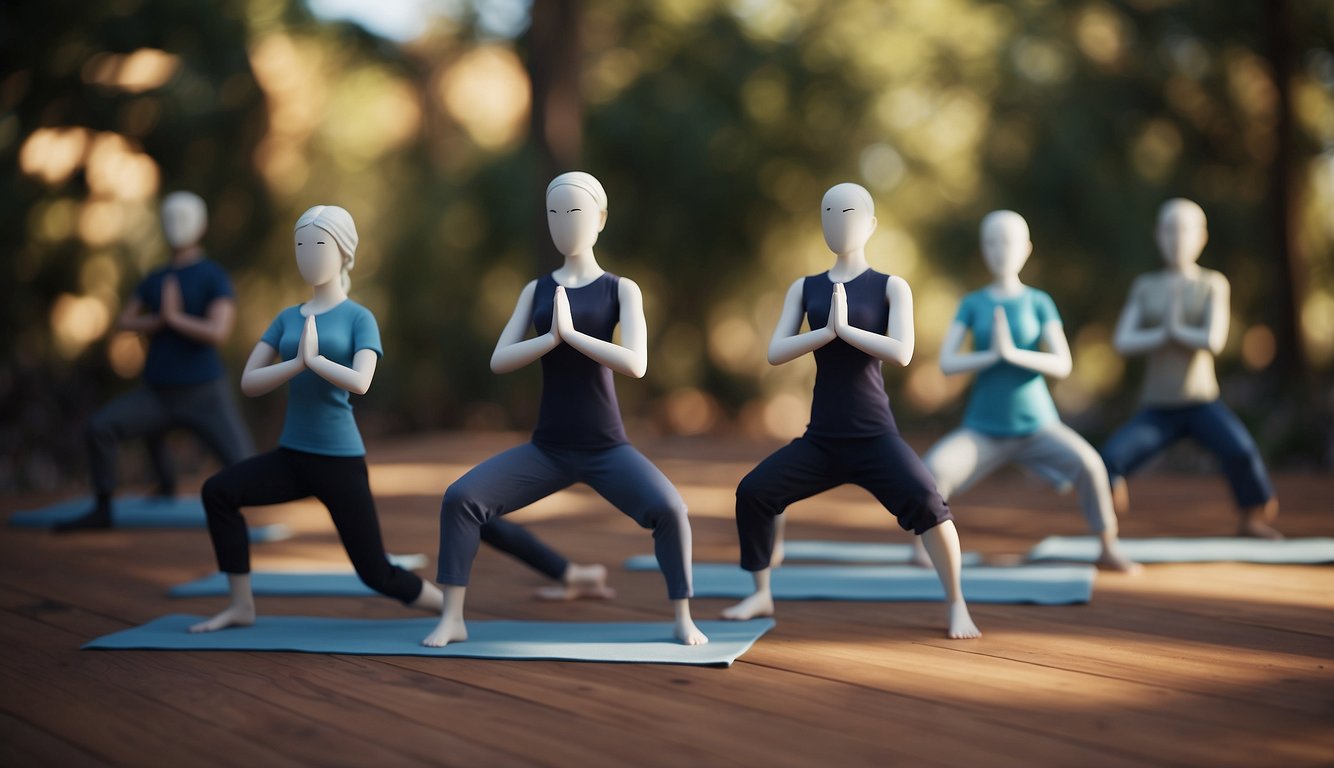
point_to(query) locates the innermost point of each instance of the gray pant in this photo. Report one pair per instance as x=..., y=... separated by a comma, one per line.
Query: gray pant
x=524, y=474
x=207, y=409
x=1055, y=452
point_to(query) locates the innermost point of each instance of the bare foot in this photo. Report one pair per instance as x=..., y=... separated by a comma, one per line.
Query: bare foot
x=1255, y=522
x=234, y=616
x=758, y=604
x=1120, y=497
x=449, y=630
x=581, y=582
x=687, y=633
x=1113, y=559
x=961, y=623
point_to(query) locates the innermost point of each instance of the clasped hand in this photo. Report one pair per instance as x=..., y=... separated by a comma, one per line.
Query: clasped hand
x=562, y=321
x=308, y=348
x=838, y=312
x=1002, y=341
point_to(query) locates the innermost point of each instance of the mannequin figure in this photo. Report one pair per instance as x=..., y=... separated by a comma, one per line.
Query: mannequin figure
x=1178, y=317
x=579, y=435
x=328, y=348
x=187, y=310
x=1011, y=416
x=859, y=319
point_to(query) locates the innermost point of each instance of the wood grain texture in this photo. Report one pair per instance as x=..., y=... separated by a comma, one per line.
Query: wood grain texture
x=1221, y=664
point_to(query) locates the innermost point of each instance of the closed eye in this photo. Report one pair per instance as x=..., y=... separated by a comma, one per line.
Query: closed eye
x=845, y=210
x=572, y=210
x=319, y=242
x=300, y=243
x=553, y=210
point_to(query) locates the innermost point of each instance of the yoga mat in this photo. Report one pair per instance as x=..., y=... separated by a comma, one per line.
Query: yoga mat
x=799, y=551
x=339, y=582
x=546, y=640
x=1202, y=550
x=139, y=512
x=1044, y=585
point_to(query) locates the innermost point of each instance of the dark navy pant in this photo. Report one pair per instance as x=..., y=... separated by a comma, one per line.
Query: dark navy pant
x=341, y=483
x=883, y=465
x=1212, y=425
x=526, y=473
x=207, y=410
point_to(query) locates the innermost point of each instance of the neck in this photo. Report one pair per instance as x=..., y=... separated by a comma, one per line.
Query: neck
x=1189, y=269
x=1007, y=284
x=579, y=268
x=181, y=257
x=327, y=295
x=849, y=265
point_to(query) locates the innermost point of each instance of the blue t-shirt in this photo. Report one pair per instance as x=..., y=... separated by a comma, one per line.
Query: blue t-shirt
x=174, y=360
x=319, y=414
x=1008, y=400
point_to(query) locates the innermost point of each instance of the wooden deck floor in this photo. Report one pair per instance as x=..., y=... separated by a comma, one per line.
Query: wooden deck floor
x=1218, y=664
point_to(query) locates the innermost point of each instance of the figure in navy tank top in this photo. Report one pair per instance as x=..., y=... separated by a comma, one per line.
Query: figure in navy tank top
x=858, y=319
x=579, y=436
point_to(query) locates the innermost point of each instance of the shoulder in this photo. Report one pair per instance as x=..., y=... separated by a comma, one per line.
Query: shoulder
x=360, y=312
x=896, y=286
x=1214, y=279
x=1042, y=297
x=625, y=287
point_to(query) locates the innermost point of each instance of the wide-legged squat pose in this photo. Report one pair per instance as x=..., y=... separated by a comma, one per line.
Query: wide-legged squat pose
x=186, y=309
x=327, y=349
x=1178, y=317
x=859, y=318
x=579, y=435
x=1011, y=416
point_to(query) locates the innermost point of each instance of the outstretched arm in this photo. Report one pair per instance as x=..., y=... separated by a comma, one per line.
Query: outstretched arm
x=356, y=379
x=788, y=343
x=1130, y=338
x=1055, y=362
x=1213, y=334
x=630, y=357
x=897, y=343
x=512, y=350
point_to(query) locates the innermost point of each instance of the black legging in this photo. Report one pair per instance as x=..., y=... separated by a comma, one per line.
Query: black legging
x=339, y=482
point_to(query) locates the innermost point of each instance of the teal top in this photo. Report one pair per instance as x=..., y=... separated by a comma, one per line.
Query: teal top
x=1008, y=401
x=319, y=414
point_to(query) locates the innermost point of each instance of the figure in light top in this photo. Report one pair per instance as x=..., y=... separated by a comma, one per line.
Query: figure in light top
x=573, y=312
x=326, y=350
x=1178, y=318
x=859, y=318
x=1017, y=341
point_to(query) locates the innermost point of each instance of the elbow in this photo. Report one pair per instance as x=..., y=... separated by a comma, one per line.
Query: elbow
x=360, y=388
x=249, y=388
x=637, y=369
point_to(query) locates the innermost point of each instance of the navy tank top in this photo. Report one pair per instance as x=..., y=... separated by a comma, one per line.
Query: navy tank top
x=579, y=408
x=850, y=399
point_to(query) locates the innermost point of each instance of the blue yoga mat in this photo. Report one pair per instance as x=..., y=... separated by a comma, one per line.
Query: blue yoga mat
x=803, y=551
x=329, y=583
x=1085, y=549
x=139, y=512
x=1044, y=585
x=528, y=640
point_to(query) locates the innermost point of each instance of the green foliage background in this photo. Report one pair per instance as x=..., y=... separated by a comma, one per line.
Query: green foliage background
x=715, y=128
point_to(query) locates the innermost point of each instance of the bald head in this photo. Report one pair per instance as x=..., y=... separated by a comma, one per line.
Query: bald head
x=1181, y=233
x=1005, y=243
x=847, y=214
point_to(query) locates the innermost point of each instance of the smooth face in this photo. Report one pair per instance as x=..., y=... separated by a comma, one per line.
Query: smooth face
x=848, y=222
x=574, y=219
x=183, y=221
x=1181, y=233
x=1005, y=244
x=317, y=255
